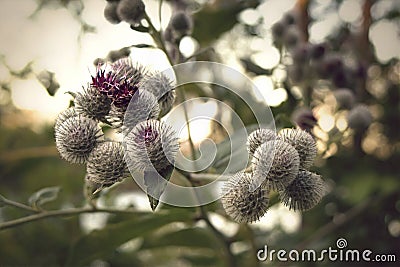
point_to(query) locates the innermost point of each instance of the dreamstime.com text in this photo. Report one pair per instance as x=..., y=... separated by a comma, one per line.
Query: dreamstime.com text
x=340, y=253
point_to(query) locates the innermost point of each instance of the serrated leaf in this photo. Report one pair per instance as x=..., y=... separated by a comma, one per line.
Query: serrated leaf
x=155, y=183
x=101, y=243
x=44, y=195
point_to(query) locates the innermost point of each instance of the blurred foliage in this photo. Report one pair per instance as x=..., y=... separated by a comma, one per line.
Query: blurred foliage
x=363, y=203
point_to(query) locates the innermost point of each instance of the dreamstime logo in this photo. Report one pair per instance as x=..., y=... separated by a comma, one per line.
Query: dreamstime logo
x=340, y=253
x=228, y=80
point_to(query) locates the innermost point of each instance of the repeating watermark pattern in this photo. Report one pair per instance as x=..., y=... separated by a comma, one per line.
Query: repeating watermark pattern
x=339, y=253
x=227, y=80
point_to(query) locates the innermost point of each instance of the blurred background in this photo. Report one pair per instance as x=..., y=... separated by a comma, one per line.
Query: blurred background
x=48, y=48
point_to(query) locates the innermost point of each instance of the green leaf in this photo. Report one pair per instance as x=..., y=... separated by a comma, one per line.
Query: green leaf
x=155, y=182
x=44, y=195
x=231, y=150
x=101, y=243
x=190, y=237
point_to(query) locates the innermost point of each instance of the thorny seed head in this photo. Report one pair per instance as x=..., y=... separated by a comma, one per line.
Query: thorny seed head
x=258, y=137
x=278, y=162
x=76, y=137
x=143, y=106
x=151, y=144
x=305, y=192
x=304, y=144
x=241, y=202
x=106, y=164
x=65, y=115
x=92, y=103
x=161, y=87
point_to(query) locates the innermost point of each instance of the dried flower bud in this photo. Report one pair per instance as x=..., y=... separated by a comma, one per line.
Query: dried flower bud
x=181, y=24
x=65, y=115
x=161, y=87
x=241, y=202
x=304, y=118
x=115, y=55
x=92, y=103
x=305, y=192
x=359, y=117
x=345, y=98
x=151, y=144
x=278, y=162
x=304, y=144
x=258, y=137
x=131, y=11
x=76, y=137
x=106, y=164
x=110, y=13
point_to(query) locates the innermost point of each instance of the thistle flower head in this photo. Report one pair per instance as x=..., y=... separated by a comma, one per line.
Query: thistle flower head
x=119, y=82
x=131, y=11
x=143, y=106
x=305, y=192
x=161, y=87
x=151, y=144
x=278, y=162
x=359, y=118
x=76, y=137
x=65, y=115
x=258, y=137
x=92, y=103
x=106, y=164
x=303, y=142
x=241, y=201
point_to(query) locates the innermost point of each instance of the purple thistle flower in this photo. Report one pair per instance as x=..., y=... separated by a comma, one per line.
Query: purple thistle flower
x=119, y=82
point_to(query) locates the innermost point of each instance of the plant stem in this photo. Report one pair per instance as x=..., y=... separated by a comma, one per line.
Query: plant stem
x=230, y=259
x=18, y=205
x=61, y=213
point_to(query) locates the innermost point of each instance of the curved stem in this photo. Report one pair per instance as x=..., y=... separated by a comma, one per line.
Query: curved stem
x=18, y=205
x=61, y=213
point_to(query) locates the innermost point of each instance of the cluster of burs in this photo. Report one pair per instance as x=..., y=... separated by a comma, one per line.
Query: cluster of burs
x=279, y=162
x=125, y=97
x=310, y=63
